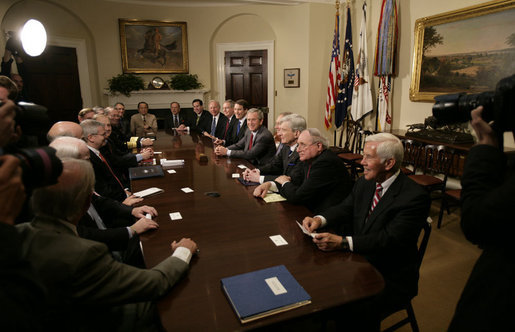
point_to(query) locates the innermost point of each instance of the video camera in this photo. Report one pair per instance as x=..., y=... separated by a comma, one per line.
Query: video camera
x=41, y=167
x=498, y=105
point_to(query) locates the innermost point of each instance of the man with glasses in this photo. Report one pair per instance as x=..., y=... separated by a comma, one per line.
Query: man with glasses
x=284, y=162
x=106, y=182
x=321, y=180
x=143, y=124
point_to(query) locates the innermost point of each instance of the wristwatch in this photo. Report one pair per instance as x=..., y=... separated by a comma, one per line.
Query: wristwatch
x=345, y=244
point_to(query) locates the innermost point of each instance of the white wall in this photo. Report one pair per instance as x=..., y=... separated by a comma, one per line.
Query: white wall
x=302, y=36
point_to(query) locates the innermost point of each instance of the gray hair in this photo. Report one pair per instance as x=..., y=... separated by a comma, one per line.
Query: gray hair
x=390, y=146
x=317, y=137
x=231, y=102
x=295, y=121
x=66, y=198
x=68, y=147
x=256, y=110
x=90, y=127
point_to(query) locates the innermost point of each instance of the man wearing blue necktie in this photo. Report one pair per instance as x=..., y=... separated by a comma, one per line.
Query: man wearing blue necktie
x=218, y=122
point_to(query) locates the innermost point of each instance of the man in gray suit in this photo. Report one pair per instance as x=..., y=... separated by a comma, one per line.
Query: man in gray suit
x=257, y=146
x=87, y=289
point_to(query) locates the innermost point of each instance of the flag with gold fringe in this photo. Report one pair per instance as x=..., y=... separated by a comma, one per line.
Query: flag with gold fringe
x=362, y=96
x=334, y=70
x=346, y=85
x=384, y=62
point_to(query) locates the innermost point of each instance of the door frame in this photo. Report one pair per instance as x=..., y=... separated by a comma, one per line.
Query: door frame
x=82, y=64
x=267, y=45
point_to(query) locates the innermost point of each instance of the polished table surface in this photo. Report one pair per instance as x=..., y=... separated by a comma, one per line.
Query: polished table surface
x=232, y=232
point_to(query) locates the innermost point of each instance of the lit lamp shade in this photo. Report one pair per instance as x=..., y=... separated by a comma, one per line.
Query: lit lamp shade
x=33, y=37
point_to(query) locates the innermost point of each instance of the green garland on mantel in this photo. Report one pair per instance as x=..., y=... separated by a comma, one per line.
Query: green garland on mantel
x=185, y=82
x=125, y=84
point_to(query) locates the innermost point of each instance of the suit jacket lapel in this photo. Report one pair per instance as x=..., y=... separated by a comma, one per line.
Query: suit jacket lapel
x=386, y=200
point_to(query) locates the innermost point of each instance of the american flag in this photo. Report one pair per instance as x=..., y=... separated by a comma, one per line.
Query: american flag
x=346, y=85
x=384, y=121
x=334, y=73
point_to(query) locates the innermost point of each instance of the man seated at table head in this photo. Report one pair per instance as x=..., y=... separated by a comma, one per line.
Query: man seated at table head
x=85, y=114
x=318, y=182
x=64, y=128
x=88, y=289
x=143, y=123
x=257, y=146
x=381, y=219
x=283, y=163
x=107, y=183
x=238, y=124
x=217, y=122
x=175, y=119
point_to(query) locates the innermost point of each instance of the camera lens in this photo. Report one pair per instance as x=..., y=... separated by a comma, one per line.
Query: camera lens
x=41, y=167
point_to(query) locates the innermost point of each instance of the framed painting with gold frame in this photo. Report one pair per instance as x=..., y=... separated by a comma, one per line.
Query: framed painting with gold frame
x=467, y=50
x=153, y=46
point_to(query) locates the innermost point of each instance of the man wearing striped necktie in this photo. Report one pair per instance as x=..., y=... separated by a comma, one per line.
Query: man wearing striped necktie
x=381, y=219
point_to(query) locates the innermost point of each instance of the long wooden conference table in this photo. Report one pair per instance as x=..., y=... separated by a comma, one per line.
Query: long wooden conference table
x=232, y=232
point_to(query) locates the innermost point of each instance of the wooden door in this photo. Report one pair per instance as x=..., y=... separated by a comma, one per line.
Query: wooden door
x=53, y=81
x=246, y=76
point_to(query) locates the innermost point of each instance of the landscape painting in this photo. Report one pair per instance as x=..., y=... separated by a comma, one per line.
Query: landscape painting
x=153, y=46
x=464, y=51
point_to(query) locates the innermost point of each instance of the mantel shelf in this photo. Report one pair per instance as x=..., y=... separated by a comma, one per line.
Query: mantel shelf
x=157, y=98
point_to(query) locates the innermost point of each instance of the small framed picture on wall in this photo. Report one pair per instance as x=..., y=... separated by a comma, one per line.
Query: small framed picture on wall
x=292, y=77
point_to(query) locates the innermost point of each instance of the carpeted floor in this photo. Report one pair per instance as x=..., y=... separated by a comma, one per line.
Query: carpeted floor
x=447, y=264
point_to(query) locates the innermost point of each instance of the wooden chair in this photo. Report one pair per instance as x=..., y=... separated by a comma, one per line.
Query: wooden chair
x=411, y=160
x=352, y=159
x=409, y=307
x=449, y=198
x=437, y=162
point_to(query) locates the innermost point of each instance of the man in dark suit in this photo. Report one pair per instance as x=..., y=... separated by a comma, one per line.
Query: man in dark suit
x=318, y=182
x=119, y=160
x=238, y=124
x=107, y=183
x=381, y=219
x=283, y=163
x=488, y=193
x=257, y=146
x=197, y=119
x=109, y=221
x=87, y=288
x=120, y=131
x=175, y=119
x=228, y=111
x=217, y=122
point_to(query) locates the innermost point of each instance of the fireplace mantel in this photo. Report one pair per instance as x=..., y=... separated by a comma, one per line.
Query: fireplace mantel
x=158, y=99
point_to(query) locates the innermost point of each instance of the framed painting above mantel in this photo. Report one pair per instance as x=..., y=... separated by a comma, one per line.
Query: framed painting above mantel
x=153, y=46
x=467, y=50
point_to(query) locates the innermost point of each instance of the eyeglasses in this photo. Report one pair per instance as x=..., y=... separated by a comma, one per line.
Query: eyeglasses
x=303, y=146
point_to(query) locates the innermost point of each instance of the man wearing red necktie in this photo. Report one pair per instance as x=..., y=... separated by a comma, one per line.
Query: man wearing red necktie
x=381, y=219
x=257, y=145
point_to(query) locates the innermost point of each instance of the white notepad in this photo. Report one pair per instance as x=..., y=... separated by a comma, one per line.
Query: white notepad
x=148, y=192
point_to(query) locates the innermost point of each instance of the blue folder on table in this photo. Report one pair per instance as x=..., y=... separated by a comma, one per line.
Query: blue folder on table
x=264, y=292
